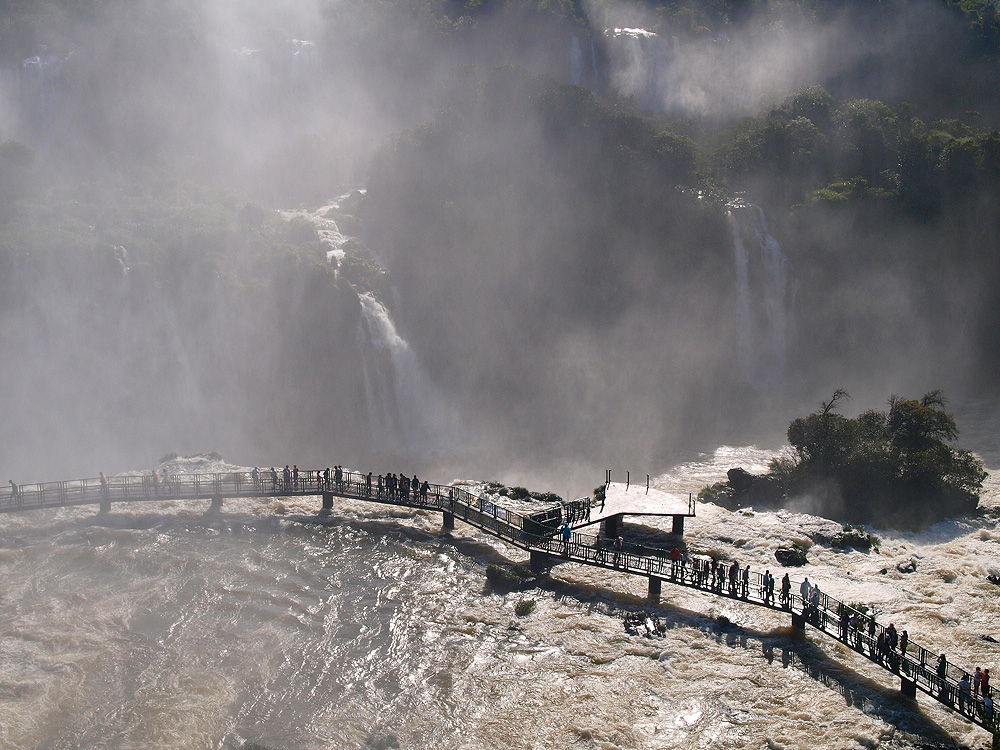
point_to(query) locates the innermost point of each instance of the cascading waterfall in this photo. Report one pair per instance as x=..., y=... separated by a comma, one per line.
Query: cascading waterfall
x=761, y=271
x=406, y=410
x=33, y=92
x=640, y=64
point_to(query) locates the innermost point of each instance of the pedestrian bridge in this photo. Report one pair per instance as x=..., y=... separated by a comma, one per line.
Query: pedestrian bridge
x=538, y=533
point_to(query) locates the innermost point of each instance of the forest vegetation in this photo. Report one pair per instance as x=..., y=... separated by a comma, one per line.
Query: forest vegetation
x=139, y=248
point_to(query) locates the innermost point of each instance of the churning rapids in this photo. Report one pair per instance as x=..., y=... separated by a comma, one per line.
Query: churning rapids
x=167, y=626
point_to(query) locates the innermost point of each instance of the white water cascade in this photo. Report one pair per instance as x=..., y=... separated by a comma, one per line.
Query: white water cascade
x=407, y=411
x=762, y=298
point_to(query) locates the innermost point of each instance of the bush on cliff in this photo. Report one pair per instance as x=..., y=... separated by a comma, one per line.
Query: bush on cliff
x=892, y=468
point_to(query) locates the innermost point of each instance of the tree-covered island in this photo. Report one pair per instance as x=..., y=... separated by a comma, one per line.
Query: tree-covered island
x=895, y=468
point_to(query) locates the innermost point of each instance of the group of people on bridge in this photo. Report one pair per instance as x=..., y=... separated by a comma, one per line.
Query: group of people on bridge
x=860, y=631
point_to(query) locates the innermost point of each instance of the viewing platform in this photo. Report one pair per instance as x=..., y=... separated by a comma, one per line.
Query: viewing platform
x=626, y=499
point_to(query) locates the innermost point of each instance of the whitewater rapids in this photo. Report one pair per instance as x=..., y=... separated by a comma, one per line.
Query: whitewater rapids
x=164, y=625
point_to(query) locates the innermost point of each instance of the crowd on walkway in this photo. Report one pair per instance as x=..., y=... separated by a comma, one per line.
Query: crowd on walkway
x=971, y=695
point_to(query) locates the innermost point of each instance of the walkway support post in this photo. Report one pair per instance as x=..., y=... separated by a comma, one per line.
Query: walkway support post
x=216, y=503
x=611, y=526
x=654, y=589
x=105, y=505
x=679, y=525
x=327, y=503
x=908, y=688
x=538, y=561
x=798, y=621
x=448, y=520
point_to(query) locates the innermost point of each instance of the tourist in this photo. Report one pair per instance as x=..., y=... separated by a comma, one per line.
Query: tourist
x=977, y=679
x=255, y=474
x=942, y=673
x=619, y=543
x=675, y=561
x=786, y=591
x=804, y=591
x=567, y=534
x=15, y=493
x=964, y=692
x=904, y=640
x=984, y=683
x=746, y=582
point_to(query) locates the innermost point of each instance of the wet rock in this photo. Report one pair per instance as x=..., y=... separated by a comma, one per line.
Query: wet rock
x=790, y=556
x=910, y=566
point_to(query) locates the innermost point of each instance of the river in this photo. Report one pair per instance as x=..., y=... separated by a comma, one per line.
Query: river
x=165, y=625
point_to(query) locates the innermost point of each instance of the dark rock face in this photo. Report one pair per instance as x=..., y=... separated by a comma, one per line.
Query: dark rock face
x=790, y=556
x=910, y=566
x=750, y=489
x=740, y=480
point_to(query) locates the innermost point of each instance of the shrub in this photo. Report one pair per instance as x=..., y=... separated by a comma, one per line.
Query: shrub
x=524, y=607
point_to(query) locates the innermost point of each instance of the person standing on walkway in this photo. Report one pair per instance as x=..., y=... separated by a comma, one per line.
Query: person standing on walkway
x=984, y=683
x=567, y=534
x=786, y=590
x=804, y=588
x=15, y=493
x=619, y=543
x=964, y=693
x=942, y=673
x=746, y=582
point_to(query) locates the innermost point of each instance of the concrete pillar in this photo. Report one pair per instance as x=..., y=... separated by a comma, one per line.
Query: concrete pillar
x=798, y=621
x=105, y=505
x=539, y=561
x=679, y=525
x=654, y=589
x=611, y=526
x=217, y=503
x=908, y=688
x=996, y=742
x=448, y=521
x=327, y=503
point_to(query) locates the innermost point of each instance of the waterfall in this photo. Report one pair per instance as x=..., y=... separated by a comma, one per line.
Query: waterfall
x=35, y=91
x=408, y=413
x=576, y=61
x=640, y=62
x=761, y=271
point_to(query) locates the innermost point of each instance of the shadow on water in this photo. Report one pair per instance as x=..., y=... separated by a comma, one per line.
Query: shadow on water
x=784, y=645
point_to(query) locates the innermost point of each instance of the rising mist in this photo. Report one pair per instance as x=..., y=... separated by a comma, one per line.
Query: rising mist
x=552, y=221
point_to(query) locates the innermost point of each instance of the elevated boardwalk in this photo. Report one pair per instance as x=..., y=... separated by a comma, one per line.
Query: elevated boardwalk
x=539, y=535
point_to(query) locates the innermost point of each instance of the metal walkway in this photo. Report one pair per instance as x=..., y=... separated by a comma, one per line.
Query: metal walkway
x=538, y=534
